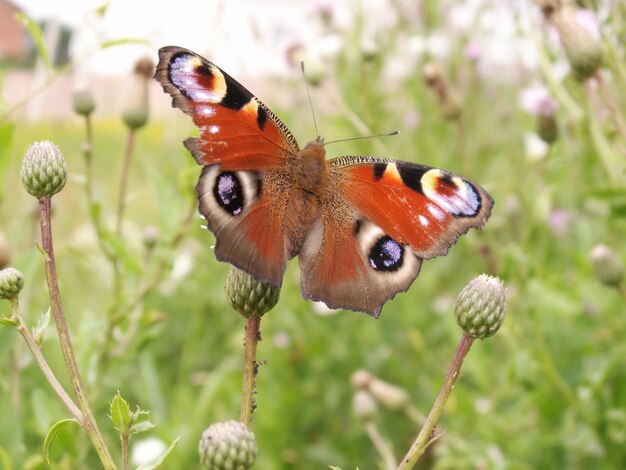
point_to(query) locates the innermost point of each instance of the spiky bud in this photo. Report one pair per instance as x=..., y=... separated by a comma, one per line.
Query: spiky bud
x=480, y=306
x=608, y=266
x=251, y=298
x=228, y=445
x=43, y=170
x=582, y=45
x=82, y=101
x=547, y=127
x=135, y=113
x=11, y=283
x=364, y=406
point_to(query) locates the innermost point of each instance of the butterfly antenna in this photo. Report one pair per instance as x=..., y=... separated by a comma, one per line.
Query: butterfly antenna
x=386, y=134
x=308, y=94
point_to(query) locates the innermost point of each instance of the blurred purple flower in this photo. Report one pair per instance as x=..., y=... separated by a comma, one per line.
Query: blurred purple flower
x=559, y=221
x=537, y=101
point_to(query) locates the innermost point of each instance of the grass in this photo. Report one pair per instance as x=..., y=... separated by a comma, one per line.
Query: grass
x=548, y=391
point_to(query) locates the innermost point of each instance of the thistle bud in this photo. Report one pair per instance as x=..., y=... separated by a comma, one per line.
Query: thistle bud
x=251, y=298
x=480, y=306
x=607, y=265
x=11, y=283
x=43, y=170
x=581, y=43
x=150, y=236
x=227, y=445
x=135, y=114
x=82, y=101
x=364, y=405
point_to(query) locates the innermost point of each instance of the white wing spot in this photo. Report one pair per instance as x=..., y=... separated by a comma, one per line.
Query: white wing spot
x=423, y=220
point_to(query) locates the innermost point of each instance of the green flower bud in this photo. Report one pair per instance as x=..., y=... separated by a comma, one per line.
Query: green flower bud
x=364, y=406
x=43, y=169
x=11, y=283
x=547, y=127
x=480, y=306
x=82, y=102
x=150, y=237
x=248, y=296
x=583, y=50
x=607, y=265
x=388, y=395
x=135, y=114
x=227, y=445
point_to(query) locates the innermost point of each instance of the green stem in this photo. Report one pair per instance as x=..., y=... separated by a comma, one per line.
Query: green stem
x=425, y=436
x=124, y=444
x=43, y=364
x=609, y=102
x=250, y=368
x=380, y=445
x=121, y=201
x=88, y=423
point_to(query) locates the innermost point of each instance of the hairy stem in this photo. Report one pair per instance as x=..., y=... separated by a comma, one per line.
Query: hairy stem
x=43, y=364
x=250, y=368
x=88, y=422
x=425, y=436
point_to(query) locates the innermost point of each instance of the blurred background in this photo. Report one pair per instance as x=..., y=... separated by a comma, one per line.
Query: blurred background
x=526, y=98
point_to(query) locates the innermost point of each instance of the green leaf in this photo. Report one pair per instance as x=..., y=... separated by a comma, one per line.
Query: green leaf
x=120, y=414
x=121, y=252
x=8, y=321
x=5, y=460
x=35, y=31
x=142, y=426
x=156, y=463
x=41, y=326
x=52, y=435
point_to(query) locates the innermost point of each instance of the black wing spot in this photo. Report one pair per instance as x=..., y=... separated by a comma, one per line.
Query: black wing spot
x=386, y=255
x=261, y=117
x=357, y=227
x=228, y=193
x=412, y=176
x=236, y=95
x=379, y=170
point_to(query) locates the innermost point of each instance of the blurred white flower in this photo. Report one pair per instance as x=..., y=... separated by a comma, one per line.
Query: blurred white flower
x=146, y=450
x=537, y=101
x=535, y=147
x=282, y=340
x=322, y=310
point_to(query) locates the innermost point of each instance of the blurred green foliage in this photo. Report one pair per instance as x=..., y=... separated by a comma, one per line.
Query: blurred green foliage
x=548, y=391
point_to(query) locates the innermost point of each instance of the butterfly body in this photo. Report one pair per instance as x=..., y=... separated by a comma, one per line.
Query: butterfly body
x=359, y=225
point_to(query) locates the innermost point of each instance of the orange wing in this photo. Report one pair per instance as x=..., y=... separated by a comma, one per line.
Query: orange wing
x=247, y=154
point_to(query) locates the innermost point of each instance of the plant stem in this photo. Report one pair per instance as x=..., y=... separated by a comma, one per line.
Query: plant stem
x=613, y=108
x=250, y=368
x=124, y=444
x=121, y=202
x=43, y=364
x=380, y=445
x=425, y=438
x=88, y=422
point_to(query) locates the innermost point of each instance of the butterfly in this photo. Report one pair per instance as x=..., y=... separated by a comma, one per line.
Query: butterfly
x=360, y=226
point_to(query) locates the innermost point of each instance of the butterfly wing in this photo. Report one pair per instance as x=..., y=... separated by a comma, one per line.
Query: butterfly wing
x=247, y=154
x=377, y=222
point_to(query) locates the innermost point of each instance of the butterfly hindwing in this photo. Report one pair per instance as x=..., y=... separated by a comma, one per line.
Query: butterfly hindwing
x=378, y=221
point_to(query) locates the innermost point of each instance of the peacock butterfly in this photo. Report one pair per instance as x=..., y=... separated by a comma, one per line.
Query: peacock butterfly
x=361, y=226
